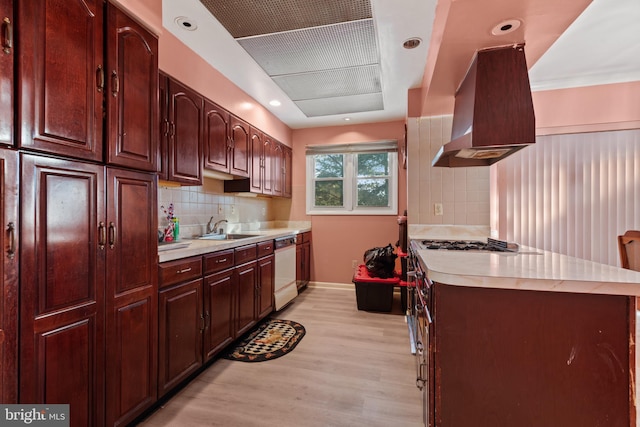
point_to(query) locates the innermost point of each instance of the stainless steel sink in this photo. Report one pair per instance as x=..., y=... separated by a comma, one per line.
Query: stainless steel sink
x=226, y=236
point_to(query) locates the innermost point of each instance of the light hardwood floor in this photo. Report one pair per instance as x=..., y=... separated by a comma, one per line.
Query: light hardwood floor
x=352, y=368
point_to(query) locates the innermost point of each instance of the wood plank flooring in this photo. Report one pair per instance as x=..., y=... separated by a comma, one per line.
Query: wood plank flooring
x=352, y=368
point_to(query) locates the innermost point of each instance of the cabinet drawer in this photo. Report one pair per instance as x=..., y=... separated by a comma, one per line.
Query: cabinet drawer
x=265, y=248
x=245, y=253
x=218, y=261
x=298, y=238
x=180, y=270
x=306, y=237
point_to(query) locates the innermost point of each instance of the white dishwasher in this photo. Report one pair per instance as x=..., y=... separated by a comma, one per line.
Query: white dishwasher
x=285, y=289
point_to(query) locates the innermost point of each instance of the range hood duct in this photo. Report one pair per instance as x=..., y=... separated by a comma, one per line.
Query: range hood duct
x=493, y=115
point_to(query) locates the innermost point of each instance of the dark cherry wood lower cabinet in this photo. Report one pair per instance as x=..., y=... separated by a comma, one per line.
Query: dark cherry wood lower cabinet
x=219, y=311
x=526, y=358
x=265, y=286
x=246, y=289
x=181, y=327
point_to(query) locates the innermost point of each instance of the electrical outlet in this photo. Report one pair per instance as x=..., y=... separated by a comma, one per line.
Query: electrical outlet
x=354, y=263
x=437, y=209
x=220, y=209
x=233, y=209
x=264, y=211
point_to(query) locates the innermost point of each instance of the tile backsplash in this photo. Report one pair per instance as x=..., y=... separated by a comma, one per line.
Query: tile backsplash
x=195, y=205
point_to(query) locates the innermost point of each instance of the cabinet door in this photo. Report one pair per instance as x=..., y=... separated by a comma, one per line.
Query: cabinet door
x=185, y=135
x=266, y=272
x=9, y=276
x=300, y=265
x=287, y=164
x=217, y=144
x=218, y=311
x=132, y=93
x=131, y=295
x=257, y=160
x=306, y=263
x=241, y=147
x=61, y=75
x=62, y=286
x=268, y=155
x=180, y=338
x=245, y=307
x=278, y=161
x=164, y=126
x=6, y=71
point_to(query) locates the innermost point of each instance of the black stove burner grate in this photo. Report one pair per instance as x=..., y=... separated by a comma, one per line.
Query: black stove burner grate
x=459, y=245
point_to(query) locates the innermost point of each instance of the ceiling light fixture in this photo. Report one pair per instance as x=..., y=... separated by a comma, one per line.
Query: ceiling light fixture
x=506, y=27
x=275, y=103
x=412, y=43
x=186, y=23
x=346, y=119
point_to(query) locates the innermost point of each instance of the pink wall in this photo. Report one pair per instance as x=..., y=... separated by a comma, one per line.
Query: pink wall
x=337, y=240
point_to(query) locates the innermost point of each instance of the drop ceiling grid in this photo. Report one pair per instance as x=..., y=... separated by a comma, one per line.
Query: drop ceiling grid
x=244, y=18
x=321, y=48
x=331, y=83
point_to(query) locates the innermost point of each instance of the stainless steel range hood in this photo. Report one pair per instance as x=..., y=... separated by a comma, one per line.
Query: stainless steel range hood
x=493, y=115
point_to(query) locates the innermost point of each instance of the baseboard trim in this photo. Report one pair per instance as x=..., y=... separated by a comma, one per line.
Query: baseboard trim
x=330, y=285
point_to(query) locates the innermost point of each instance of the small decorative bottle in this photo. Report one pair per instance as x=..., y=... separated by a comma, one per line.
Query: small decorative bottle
x=176, y=229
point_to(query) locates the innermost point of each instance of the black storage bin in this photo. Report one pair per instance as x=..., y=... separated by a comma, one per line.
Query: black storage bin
x=372, y=293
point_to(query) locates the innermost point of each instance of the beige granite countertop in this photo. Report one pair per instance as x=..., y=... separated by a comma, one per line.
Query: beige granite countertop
x=198, y=246
x=530, y=269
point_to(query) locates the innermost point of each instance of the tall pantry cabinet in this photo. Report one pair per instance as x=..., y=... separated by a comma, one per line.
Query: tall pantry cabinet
x=8, y=214
x=88, y=91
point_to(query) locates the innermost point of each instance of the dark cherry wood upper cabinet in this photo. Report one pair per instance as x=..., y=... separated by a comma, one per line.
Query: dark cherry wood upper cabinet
x=9, y=275
x=61, y=77
x=278, y=162
x=268, y=149
x=131, y=295
x=6, y=71
x=257, y=160
x=217, y=145
x=62, y=255
x=241, y=146
x=163, y=149
x=287, y=164
x=185, y=139
x=131, y=92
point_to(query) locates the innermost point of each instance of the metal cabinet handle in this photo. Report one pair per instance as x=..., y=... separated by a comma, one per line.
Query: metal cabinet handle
x=100, y=78
x=207, y=322
x=7, y=35
x=218, y=261
x=12, y=240
x=115, y=83
x=112, y=235
x=184, y=270
x=203, y=323
x=102, y=235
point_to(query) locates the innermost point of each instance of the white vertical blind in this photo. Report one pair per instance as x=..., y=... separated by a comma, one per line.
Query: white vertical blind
x=572, y=194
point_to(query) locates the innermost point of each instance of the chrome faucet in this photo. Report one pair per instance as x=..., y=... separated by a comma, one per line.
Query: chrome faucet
x=214, y=229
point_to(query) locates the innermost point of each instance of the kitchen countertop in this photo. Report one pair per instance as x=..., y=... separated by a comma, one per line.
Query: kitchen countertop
x=201, y=246
x=530, y=269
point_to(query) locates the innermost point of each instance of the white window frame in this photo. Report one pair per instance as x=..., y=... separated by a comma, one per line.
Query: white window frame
x=350, y=179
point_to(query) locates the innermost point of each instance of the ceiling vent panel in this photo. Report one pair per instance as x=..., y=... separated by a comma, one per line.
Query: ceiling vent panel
x=331, y=83
x=321, y=48
x=250, y=18
x=341, y=105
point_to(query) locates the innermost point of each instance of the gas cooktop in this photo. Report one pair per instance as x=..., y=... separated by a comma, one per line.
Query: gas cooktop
x=491, y=245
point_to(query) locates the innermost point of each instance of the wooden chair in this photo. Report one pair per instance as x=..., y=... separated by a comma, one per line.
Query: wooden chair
x=629, y=246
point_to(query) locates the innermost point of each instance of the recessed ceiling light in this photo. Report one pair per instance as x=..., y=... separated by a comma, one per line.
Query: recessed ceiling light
x=412, y=43
x=506, y=27
x=275, y=103
x=346, y=119
x=186, y=23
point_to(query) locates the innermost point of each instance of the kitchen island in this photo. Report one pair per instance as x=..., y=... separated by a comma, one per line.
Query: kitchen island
x=528, y=339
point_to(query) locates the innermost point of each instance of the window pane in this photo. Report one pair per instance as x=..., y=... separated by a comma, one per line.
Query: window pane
x=373, y=192
x=329, y=165
x=375, y=164
x=329, y=193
